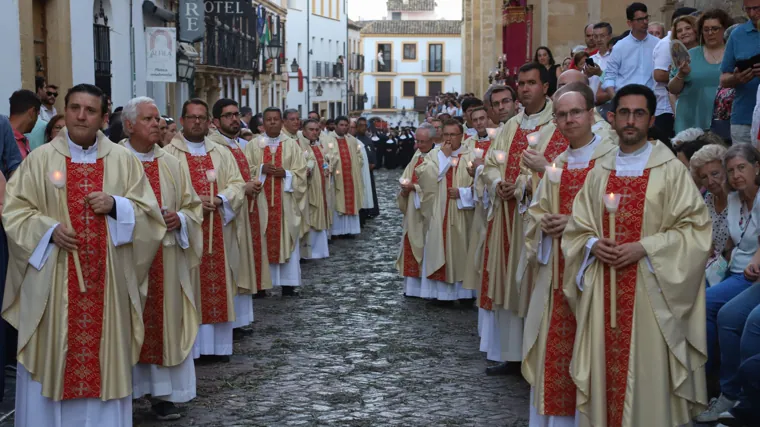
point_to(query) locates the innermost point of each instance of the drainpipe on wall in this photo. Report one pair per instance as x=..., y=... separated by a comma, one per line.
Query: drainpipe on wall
x=132, y=53
x=308, y=59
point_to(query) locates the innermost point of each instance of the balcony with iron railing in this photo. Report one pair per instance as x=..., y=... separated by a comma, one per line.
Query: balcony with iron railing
x=383, y=102
x=384, y=67
x=436, y=66
x=356, y=102
x=227, y=47
x=356, y=62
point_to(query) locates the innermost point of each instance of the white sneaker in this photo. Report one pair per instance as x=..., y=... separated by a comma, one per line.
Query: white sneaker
x=716, y=408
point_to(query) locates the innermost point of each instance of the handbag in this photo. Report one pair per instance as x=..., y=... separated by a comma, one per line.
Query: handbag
x=716, y=270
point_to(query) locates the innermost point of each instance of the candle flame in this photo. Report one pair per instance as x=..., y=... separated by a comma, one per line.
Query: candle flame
x=211, y=175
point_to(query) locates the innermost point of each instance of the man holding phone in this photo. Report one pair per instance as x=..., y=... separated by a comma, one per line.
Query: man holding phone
x=743, y=45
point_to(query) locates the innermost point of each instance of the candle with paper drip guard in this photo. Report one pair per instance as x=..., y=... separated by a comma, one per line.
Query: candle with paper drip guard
x=272, y=150
x=58, y=179
x=533, y=140
x=211, y=178
x=491, y=132
x=555, y=177
x=611, y=203
x=454, y=161
x=404, y=181
x=252, y=203
x=501, y=158
x=478, y=152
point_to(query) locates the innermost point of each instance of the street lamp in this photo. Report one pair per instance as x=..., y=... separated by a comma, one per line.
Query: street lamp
x=186, y=62
x=273, y=49
x=294, y=66
x=364, y=98
x=319, y=89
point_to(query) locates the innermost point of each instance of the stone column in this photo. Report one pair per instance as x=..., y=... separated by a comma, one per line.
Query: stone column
x=467, y=54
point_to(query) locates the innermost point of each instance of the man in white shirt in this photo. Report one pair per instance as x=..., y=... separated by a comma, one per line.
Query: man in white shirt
x=664, y=119
x=47, y=94
x=602, y=36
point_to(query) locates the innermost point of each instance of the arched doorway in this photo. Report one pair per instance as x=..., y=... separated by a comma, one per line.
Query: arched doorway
x=102, y=43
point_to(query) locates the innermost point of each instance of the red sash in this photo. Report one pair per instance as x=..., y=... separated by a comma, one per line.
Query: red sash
x=411, y=266
x=483, y=145
x=213, y=270
x=511, y=172
x=242, y=163
x=320, y=162
x=348, y=180
x=153, y=315
x=617, y=342
x=440, y=275
x=557, y=145
x=82, y=376
x=274, y=224
x=559, y=389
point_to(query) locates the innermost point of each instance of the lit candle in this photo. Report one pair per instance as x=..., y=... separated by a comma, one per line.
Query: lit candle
x=403, y=181
x=533, y=139
x=469, y=164
x=501, y=156
x=454, y=161
x=554, y=173
x=211, y=178
x=262, y=142
x=58, y=179
x=612, y=202
x=491, y=132
x=306, y=154
x=337, y=171
x=330, y=145
x=478, y=152
x=310, y=164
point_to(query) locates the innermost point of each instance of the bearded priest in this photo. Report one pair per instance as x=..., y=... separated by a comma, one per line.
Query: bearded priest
x=83, y=227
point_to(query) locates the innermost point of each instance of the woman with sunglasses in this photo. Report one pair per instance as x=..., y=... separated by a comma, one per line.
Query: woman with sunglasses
x=696, y=82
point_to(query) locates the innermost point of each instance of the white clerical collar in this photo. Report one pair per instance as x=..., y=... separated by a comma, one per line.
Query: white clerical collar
x=272, y=141
x=196, y=148
x=82, y=155
x=579, y=158
x=143, y=157
x=633, y=164
x=456, y=152
x=531, y=121
x=231, y=142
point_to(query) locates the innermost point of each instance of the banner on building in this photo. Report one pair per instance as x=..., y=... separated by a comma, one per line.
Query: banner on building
x=162, y=54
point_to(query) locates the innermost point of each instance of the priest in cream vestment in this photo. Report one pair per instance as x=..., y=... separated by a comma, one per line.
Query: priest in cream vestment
x=550, y=324
x=219, y=269
x=80, y=200
x=165, y=370
x=648, y=368
x=409, y=262
x=447, y=207
x=349, y=184
x=320, y=215
x=505, y=178
x=281, y=167
x=253, y=274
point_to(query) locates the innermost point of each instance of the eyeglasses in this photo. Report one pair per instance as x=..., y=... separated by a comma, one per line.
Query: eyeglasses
x=573, y=114
x=751, y=9
x=450, y=135
x=231, y=115
x=710, y=30
x=642, y=19
x=202, y=119
x=638, y=114
x=52, y=93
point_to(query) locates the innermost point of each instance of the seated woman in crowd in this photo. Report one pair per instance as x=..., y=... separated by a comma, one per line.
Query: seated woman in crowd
x=707, y=170
x=689, y=141
x=742, y=165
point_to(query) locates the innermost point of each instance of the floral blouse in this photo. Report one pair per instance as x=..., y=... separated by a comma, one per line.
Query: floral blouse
x=723, y=100
x=720, y=233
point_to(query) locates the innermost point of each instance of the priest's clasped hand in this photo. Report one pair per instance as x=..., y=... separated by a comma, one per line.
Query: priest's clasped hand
x=101, y=203
x=453, y=193
x=172, y=221
x=534, y=160
x=210, y=205
x=618, y=256
x=407, y=188
x=65, y=238
x=252, y=188
x=272, y=170
x=505, y=190
x=554, y=224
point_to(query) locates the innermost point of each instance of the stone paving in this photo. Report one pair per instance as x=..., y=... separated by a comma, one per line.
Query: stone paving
x=352, y=351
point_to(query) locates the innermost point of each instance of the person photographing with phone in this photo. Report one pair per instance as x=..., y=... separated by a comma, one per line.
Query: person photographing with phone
x=744, y=44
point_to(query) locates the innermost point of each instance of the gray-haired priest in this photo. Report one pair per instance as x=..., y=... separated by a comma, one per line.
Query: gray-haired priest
x=165, y=370
x=83, y=227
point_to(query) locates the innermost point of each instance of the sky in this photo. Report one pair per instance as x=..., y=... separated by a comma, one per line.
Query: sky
x=376, y=9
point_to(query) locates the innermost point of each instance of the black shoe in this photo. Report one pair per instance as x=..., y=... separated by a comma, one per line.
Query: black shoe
x=260, y=295
x=223, y=359
x=468, y=301
x=289, y=291
x=442, y=304
x=240, y=333
x=505, y=368
x=166, y=411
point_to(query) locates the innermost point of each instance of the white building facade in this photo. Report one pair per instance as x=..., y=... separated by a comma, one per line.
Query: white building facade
x=317, y=40
x=408, y=62
x=355, y=67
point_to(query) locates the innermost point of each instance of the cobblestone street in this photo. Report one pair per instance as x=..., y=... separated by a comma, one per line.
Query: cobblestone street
x=353, y=351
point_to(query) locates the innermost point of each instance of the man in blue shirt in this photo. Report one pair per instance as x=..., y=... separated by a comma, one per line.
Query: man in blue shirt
x=744, y=43
x=631, y=58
